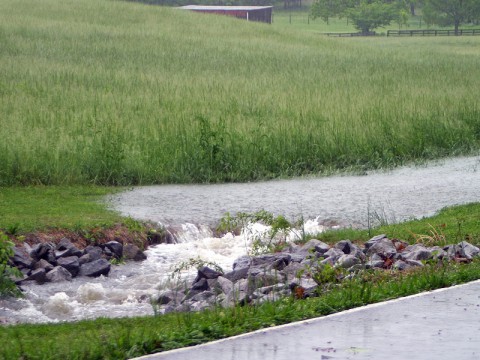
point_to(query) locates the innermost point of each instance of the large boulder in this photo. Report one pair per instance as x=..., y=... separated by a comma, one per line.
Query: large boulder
x=22, y=259
x=70, y=263
x=383, y=247
x=116, y=248
x=95, y=268
x=467, y=250
x=58, y=274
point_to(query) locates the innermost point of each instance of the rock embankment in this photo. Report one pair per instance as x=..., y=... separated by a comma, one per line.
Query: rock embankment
x=302, y=271
x=49, y=262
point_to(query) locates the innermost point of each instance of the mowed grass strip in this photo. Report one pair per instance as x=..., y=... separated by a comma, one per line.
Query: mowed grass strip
x=119, y=93
x=46, y=208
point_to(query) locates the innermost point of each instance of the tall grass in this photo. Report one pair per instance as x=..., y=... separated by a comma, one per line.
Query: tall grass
x=106, y=92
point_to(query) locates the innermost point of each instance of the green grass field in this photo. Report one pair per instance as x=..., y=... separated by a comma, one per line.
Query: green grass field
x=118, y=93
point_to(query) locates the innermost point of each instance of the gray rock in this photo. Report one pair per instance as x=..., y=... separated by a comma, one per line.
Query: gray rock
x=225, y=284
x=133, y=252
x=43, y=264
x=313, y=246
x=347, y=261
x=374, y=240
x=414, y=263
x=383, y=247
x=43, y=251
x=271, y=261
x=237, y=274
x=95, y=268
x=375, y=264
x=401, y=265
x=201, y=285
x=438, y=252
x=65, y=248
x=94, y=252
x=345, y=246
x=70, y=263
x=242, y=262
x=39, y=275
x=58, y=274
x=21, y=258
x=207, y=273
x=116, y=248
x=467, y=250
x=417, y=252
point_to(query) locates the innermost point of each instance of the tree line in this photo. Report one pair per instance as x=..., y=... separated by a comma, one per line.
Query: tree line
x=371, y=14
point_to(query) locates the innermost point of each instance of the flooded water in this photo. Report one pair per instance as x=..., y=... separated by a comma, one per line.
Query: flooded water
x=191, y=210
x=401, y=194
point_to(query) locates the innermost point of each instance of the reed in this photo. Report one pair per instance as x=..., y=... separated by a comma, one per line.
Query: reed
x=116, y=93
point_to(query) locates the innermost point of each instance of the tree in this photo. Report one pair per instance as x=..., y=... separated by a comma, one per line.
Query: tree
x=451, y=12
x=365, y=14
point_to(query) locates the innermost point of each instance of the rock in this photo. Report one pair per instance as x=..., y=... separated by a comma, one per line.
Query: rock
x=237, y=274
x=416, y=252
x=467, y=250
x=43, y=264
x=347, y=261
x=116, y=248
x=414, y=263
x=225, y=284
x=401, y=265
x=200, y=285
x=39, y=275
x=84, y=259
x=43, y=251
x=58, y=274
x=65, y=248
x=207, y=273
x=271, y=261
x=374, y=240
x=242, y=262
x=345, y=246
x=164, y=297
x=21, y=258
x=332, y=255
x=133, y=252
x=383, y=247
x=438, y=252
x=95, y=252
x=375, y=264
x=311, y=247
x=70, y=263
x=95, y=268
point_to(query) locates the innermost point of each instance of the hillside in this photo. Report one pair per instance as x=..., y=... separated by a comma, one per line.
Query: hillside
x=110, y=92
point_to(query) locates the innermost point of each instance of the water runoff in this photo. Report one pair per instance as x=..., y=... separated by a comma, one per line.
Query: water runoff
x=190, y=212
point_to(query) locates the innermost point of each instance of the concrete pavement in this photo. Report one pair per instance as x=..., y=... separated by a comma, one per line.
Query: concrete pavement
x=442, y=324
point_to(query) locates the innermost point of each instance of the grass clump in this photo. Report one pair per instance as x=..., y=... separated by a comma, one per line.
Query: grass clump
x=90, y=94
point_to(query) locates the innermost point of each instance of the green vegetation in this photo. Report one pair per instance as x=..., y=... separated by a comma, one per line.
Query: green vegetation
x=124, y=338
x=39, y=208
x=7, y=285
x=118, y=93
x=451, y=12
x=452, y=225
x=366, y=15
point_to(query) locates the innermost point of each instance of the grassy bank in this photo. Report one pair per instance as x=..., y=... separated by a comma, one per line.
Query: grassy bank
x=119, y=93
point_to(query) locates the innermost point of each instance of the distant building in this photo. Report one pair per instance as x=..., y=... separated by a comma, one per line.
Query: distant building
x=249, y=13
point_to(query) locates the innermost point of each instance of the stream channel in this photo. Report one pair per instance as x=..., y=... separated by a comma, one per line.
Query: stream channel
x=190, y=211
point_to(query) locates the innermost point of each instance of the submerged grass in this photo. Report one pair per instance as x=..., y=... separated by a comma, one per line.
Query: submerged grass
x=124, y=338
x=117, y=93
